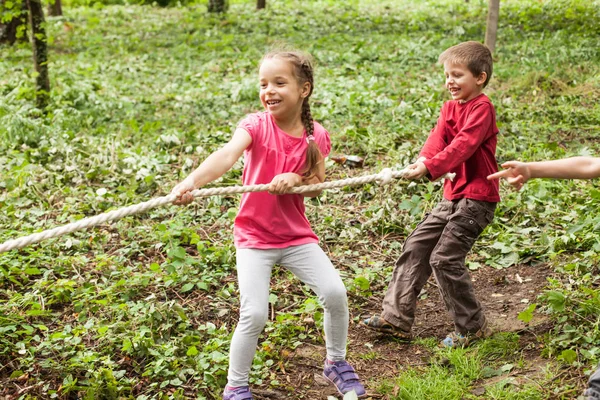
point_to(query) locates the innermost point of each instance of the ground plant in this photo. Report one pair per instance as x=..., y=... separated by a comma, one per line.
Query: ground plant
x=144, y=308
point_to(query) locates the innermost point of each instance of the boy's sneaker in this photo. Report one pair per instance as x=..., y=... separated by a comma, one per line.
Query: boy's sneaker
x=343, y=376
x=455, y=339
x=591, y=394
x=377, y=323
x=238, y=393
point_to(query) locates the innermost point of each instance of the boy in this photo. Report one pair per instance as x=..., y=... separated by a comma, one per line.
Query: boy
x=517, y=173
x=463, y=141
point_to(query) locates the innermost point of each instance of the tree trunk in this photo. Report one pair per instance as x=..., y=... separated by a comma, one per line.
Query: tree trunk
x=260, y=4
x=491, y=31
x=40, y=52
x=55, y=8
x=217, y=6
x=15, y=27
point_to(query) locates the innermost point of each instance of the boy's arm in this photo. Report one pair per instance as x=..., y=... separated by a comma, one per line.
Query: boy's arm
x=475, y=131
x=214, y=166
x=435, y=141
x=517, y=173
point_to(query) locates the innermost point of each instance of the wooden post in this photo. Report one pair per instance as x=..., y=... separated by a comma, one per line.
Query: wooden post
x=491, y=31
x=55, y=8
x=40, y=52
x=217, y=6
x=260, y=4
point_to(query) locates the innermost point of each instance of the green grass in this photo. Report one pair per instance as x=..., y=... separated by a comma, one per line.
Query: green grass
x=145, y=307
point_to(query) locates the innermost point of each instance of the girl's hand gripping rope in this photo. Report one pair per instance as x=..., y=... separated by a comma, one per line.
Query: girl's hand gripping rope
x=183, y=191
x=282, y=183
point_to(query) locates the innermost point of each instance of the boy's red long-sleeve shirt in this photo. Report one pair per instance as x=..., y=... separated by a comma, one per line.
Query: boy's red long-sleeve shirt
x=464, y=142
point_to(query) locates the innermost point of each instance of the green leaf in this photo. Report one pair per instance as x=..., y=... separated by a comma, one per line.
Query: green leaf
x=32, y=271
x=187, y=287
x=362, y=283
x=527, y=314
x=556, y=300
x=569, y=356
x=192, y=351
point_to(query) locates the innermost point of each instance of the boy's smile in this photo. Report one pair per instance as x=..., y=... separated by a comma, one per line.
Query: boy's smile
x=461, y=83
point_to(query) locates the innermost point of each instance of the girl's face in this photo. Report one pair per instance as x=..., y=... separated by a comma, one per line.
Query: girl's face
x=461, y=83
x=280, y=93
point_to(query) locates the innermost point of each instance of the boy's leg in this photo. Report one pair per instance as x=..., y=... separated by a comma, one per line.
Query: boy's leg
x=412, y=268
x=312, y=266
x=466, y=223
x=254, y=274
x=593, y=389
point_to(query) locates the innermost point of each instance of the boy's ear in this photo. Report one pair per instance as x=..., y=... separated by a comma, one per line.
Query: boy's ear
x=481, y=78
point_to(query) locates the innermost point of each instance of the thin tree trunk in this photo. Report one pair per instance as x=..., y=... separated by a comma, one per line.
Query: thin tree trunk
x=217, y=6
x=55, y=8
x=260, y=4
x=40, y=52
x=15, y=28
x=491, y=31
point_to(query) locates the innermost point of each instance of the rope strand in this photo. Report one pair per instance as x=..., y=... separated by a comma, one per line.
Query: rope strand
x=384, y=177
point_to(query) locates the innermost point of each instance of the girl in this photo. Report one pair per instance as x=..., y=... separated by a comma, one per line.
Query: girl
x=285, y=147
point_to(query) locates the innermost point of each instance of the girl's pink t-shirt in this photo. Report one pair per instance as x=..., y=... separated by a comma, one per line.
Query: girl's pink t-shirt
x=267, y=221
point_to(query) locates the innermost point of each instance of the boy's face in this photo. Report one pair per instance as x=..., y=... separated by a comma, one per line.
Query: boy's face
x=461, y=83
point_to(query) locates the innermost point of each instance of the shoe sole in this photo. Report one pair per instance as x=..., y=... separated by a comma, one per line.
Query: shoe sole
x=398, y=335
x=338, y=390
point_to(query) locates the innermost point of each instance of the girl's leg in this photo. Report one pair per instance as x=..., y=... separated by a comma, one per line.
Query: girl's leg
x=312, y=266
x=254, y=274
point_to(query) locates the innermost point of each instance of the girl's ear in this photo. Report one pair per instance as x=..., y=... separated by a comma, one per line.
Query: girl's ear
x=481, y=78
x=305, y=90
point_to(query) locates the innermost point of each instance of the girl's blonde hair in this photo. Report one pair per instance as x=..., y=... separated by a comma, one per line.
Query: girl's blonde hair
x=303, y=70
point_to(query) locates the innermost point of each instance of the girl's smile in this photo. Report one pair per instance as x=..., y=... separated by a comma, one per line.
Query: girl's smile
x=280, y=93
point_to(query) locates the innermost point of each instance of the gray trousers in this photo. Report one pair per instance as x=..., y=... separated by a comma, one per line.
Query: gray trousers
x=440, y=244
x=593, y=390
x=312, y=266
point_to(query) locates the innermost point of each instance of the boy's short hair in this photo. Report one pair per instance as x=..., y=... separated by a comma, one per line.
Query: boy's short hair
x=476, y=56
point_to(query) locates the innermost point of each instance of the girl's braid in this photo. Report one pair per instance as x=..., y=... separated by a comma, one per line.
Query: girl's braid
x=307, y=119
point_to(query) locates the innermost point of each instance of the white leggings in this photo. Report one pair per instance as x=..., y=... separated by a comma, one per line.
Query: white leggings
x=312, y=266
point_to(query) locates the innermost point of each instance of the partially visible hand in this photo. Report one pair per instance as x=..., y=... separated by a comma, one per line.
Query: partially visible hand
x=416, y=170
x=183, y=192
x=516, y=174
x=282, y=183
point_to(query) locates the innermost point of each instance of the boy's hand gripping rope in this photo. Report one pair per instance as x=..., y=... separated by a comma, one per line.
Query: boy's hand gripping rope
x=384, y=177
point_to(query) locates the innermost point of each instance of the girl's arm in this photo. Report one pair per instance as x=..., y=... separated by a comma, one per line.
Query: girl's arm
x=517, y=173
x=282, y=183
x=213, y=167
x=318, y=178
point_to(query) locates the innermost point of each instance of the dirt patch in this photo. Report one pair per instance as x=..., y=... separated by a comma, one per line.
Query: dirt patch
x=504, y=293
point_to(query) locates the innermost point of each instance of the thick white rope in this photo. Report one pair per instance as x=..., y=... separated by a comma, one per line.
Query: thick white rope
x=384, y=177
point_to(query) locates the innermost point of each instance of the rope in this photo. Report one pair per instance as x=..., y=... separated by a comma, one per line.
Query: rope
x=384, y=177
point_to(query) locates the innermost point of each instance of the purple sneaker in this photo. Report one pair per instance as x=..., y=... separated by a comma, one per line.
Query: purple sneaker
x=343, y=376
x=238, y=393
